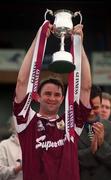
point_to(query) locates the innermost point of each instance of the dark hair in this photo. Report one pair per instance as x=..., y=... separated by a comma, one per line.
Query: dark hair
x=96, y=91
x=54, y=80
x=107, y=96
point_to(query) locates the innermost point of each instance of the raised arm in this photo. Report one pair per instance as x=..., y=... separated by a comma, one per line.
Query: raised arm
x=23, y=75
x=85, y=79
x=85, y=70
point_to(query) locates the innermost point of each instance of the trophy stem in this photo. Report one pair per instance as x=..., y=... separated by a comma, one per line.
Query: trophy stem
x=62, y=42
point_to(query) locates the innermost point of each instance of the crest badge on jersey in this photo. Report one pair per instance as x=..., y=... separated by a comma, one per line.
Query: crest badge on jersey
x=60, y=125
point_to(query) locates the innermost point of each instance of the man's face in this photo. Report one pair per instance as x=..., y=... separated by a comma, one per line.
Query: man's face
x=50, y=99
x=105, y=109
x=96, y=107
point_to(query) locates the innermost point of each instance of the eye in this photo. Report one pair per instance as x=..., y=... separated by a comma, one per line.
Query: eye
x=57, y=94
x=96, y=107
x=106, y=107
x=48, y=93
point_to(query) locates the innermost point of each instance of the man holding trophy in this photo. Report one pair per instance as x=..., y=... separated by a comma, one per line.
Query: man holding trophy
x=49, y=141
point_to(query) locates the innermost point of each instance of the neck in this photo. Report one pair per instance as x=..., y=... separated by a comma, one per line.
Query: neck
x=49, y=116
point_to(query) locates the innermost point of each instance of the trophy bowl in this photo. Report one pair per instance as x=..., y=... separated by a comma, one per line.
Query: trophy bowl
x=63, y=22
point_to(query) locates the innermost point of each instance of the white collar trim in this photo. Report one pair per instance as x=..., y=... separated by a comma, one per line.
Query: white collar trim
x=48, y=118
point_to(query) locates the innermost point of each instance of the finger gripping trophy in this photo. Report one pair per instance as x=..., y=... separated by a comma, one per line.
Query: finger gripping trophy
x=62, y=61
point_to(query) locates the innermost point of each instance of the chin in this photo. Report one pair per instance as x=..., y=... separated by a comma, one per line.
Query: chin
x=91, y=118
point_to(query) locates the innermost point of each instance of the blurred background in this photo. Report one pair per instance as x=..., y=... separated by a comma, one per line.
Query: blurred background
x=19, y=22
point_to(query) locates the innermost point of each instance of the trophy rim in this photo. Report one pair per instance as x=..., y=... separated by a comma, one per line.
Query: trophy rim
x=63, y=10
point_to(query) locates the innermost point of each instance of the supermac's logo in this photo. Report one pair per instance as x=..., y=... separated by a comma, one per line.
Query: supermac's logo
x=48, y=144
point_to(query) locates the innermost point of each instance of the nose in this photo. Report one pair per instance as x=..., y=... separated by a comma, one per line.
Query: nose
x=52, y=97
x=92, y=112
x=103, y=109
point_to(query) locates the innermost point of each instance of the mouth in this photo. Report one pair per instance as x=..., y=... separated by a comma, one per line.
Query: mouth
x=91, y=117
x=52, y=104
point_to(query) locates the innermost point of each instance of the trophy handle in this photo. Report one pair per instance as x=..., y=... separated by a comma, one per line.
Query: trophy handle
x=48, y=11
x=78, y=13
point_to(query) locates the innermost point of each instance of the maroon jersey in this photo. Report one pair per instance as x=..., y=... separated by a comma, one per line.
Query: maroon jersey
x=47, y=154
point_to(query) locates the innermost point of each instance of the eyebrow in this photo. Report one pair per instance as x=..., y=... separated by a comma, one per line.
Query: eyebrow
x=96, y=106
x=108, y=107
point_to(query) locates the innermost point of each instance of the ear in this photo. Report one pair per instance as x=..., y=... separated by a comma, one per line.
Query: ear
x=62, y=99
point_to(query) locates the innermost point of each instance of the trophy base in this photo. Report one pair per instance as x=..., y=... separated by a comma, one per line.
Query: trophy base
x=62, y=62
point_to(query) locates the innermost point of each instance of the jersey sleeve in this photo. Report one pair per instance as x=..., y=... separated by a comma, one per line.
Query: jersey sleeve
x=23, y=113
x=81, y=115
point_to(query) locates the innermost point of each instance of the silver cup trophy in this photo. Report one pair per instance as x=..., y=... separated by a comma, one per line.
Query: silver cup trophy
x=62, y=61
